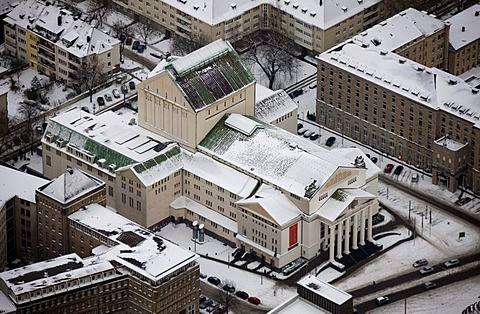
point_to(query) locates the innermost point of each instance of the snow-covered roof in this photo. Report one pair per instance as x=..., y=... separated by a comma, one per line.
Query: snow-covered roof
x=449, y=143
x=137, y=249
x=278, y=157
x=271, y=106
x=297, y=304
x=203, y=211
x=322, y=14
x=51, y=272
x=468, y=18
x=219, y=174
x=70, y=185
x=400, y=29
x=339, y=201
x=351, y=153
x=5, y=6
x=17, y=183
x=6, y=305
x=275, y=203
x=61, y=27
x=115, y=138
x=209, y=74
x=432, y=87
x=324, y=289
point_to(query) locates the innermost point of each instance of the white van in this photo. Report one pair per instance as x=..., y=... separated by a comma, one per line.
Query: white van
x=415, y=177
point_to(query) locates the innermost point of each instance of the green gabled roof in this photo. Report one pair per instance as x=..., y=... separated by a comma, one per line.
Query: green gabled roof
x=158, y=160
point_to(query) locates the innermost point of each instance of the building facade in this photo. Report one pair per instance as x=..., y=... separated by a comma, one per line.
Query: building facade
x=402, y=109
x=464, y=48
x=55, y=42
x=313, y=25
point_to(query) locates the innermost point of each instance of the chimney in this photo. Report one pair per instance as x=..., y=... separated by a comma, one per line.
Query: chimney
x=59, y=20
x=320, y=2
x=463, y=28
x=88, y=39
x=477, y=13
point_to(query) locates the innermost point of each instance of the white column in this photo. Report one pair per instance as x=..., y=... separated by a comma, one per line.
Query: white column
x=370, y=227
x=362, y=227
x=355, y=232
x=332, y=242
x=339, y=240
x=347, y=236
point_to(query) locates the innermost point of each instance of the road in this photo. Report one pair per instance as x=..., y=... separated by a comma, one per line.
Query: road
x=243, y=306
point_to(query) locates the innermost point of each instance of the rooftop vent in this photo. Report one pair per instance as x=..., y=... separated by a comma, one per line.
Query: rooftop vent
x=313, y=13
x=474, y=91
x=183, y=1
x=383, y=23
x=477, y=13
x=233, y=6
x=295, y=6
x=287, y=2
x=196, y=7
x=383, y=52
x=376, y=41
x=310, y=189
x=463, y=28
x=420, y=68
x=304, y=10
x=359, y=162
x=452, y=82
x=360, y=1
x=112, y=167
x=402, y=60
x=344, y=8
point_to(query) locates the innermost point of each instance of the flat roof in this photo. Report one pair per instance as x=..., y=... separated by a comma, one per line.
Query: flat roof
x=297, y=304
x=272, y=105
x=325, y=290
x=18, y=184
x=449, y=143
x=469, y=20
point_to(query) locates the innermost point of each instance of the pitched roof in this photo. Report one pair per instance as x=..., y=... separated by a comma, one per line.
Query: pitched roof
x=69, y=185
x=274, y=106
x=339, y=201
x=272, y=154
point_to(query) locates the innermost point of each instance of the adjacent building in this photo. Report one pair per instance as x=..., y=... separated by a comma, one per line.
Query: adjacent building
x=17, y=215
x=312, y=24
x=55, y=42
x=464, y=48
x=421, y=115
x=198, y=154
x=415, y=35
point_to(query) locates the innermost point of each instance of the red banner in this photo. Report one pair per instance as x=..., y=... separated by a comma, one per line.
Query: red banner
x=293, y=235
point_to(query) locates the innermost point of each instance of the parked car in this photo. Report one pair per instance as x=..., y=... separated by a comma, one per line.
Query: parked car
x=308, y=133
x=124, y=89
x=429, y=285
x=116, y=93
x=85, y=108
x=299, y=126
x=203, y=275
x=301, y=131
x=420, y=262
x=213, y=307
x=206, y=303
x=242, y=295
x=314, y=136
x=388, y=168
x=254, y=300
x=100, y=101
x=128, y=41
x=330, y=141
x=382, y=300
x=451, y=263
x=398, y=170
x=229, y=288
x=107, y=97
x=214, y=280
x=202, y=299
x=374, y=159
x=220, y=310
x=296, y=93
x=167, y=54
x=122, y=38
x=131, y=84
x=426, y=270
x=415, y=177
x=141, y=49
x=156, y=55
x=135, y=45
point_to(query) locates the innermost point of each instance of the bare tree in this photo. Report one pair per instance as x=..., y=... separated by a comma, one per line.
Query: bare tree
x=146, y=30
x=16, y=64
x=100, y=9
x=182, y=46
x=226, y=297
x=120, y=27
x=272, y=55
x=90, y=74
x=28, y=113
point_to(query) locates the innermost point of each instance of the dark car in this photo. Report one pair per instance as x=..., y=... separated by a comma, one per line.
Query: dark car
x=330, y=141
x=206, y=304
x=220, y=310
x=254, y=300
x=135, y=45
x=100, y=101
x=229, y=288
x=124, y=89
x=202, y=299
x=167, y=54
x=214, y=281
x=107, y=97
x=131, y=84
x=388, y=168
x=128, y=41
x=314, y=136
x=398, y=170
x=122, y=38
x=374, y=159
x=156, y=55
x=141, y=48
x=242, y=295
x=85, y=108
x=296, y=93
x=203, y=275
x=299, y=126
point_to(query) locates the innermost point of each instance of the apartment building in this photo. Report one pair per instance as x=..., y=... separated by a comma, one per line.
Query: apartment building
x=200, y=103
x=276, y=107
x=421, y=115
x=55, y=42
x=56, y=200
x=464, y=48
x=312, y=24
x=18, y=238
x=415, y=35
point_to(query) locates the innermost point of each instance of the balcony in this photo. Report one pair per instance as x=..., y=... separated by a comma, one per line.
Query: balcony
x=45, y=44
x=49, y=65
